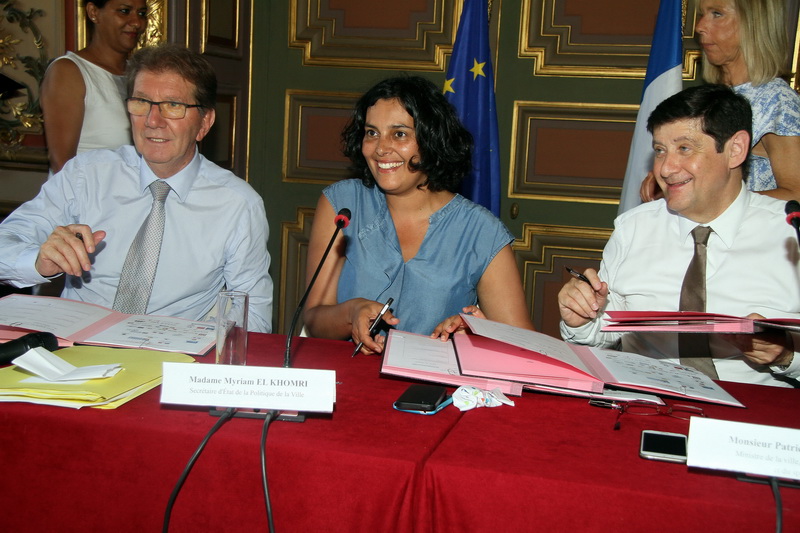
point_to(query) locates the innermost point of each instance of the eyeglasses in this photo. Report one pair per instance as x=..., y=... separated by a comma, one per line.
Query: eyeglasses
x=142, y=106
x=684, y=412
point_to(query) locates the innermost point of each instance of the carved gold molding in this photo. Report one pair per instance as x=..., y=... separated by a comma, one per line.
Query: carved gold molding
x=219, y=145
x=300, y=106
x=525, y=179
x=559, y=46
x=20, y=113
x=225, y=39
x=294, y=248
x=542, y=253
x=326, y=40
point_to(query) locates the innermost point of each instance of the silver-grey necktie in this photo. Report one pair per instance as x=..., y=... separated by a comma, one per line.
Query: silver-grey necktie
x=139, y=270
x=693, y=347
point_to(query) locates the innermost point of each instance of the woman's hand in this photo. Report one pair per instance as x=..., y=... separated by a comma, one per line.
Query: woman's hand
x=455, y=324
x=649, y=190
x=362, y=314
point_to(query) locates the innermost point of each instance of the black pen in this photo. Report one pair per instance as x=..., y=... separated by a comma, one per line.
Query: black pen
x=79, y=236
x=578, y=275
x=374, y=324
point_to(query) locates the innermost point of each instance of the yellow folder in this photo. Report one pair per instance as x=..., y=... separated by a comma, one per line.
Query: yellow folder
x=141, y=371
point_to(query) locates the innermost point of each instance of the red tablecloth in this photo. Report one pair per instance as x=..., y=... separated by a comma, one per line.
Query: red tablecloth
x=556, y=464
x=550, y=463
x=113, y=470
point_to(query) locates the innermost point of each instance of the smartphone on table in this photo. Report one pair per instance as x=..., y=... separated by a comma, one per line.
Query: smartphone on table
x=663, y=446
x=423, y=399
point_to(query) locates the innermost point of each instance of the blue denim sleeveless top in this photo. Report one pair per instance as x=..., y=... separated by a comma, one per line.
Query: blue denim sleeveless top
x=461, y=241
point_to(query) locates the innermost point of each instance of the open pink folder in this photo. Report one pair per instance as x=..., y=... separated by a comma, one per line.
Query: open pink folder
x=83, y=323
x=693, y=322
x=499, y=351
x=417, y=356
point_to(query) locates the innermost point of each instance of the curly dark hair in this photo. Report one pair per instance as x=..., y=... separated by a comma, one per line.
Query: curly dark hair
x=445, y=145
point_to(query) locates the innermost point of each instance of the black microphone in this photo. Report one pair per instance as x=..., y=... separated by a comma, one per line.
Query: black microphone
x=793, y=216
x=342, y=220
x=13, y=349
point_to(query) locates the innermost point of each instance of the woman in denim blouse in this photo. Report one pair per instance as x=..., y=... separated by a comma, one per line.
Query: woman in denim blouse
x=412, y=236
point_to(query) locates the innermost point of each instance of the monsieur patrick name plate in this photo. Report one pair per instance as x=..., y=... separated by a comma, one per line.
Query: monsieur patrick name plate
x=740, y=447
x=256, y=387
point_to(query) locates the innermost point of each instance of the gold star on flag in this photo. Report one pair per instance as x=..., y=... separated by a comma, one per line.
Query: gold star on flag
x=448, y=86
x=477, y=69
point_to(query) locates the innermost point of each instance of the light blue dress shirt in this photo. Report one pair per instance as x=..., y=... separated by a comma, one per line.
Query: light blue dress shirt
x=439, y=281
x=215, y=234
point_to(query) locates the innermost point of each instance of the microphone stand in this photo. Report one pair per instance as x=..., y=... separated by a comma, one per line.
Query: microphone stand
x=792, y=210
x=342, y=220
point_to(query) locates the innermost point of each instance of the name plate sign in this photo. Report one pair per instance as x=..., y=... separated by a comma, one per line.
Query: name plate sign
x=255, y=387
x=739, y=447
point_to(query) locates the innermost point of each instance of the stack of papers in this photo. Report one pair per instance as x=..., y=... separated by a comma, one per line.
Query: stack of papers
x=692, y=321
x=505, y=356
x=141, y=371
x=84, y=323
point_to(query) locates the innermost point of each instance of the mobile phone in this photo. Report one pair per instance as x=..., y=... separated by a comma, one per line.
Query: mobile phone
x=422, y=398
x=663, y=446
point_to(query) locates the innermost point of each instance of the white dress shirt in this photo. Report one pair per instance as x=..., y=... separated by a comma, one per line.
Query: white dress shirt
x=215, y=234
x=752, y=267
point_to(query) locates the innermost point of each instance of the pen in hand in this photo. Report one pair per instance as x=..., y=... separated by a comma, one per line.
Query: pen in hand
x=578, y=275
x=374, y=324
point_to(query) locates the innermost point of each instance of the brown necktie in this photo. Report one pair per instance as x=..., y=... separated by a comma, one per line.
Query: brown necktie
x=693, y=347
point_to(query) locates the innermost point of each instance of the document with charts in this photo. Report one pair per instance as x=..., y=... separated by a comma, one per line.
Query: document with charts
x=84, y=323
x=500, y=351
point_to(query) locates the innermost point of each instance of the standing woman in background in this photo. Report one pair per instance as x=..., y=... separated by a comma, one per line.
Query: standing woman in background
x=746, y=46
x=83, y=93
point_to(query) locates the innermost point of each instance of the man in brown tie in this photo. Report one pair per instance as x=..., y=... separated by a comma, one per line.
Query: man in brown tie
x=708, y=245
x=152, y=228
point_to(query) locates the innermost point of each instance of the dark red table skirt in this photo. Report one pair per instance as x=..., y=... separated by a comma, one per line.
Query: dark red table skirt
x=556, y=464
x=549, y=464
x=113, y=470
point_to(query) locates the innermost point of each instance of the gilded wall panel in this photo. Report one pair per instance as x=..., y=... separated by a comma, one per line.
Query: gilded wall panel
x=570, y=151
x=294, y=249
x=576, y=38
x=312, y=151
x=542, y=254
x=410, y=35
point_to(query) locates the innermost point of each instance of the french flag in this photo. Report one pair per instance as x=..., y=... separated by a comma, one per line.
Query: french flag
x=663, y=79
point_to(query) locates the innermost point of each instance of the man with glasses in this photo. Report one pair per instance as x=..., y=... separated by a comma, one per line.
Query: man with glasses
x=708, y=245
x=95, y=220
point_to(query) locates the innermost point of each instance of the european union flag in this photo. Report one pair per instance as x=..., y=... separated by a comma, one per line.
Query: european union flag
x=470, y=88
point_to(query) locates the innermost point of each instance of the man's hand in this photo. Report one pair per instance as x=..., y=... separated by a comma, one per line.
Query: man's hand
x=772, y=348
x=579, y=301
x=67, y=250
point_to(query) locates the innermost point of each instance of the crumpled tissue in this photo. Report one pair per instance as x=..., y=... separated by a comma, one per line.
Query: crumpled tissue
x=468, y=397
x=50, y=367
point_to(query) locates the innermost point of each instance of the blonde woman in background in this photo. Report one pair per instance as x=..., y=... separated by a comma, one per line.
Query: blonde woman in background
x=746, y=46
